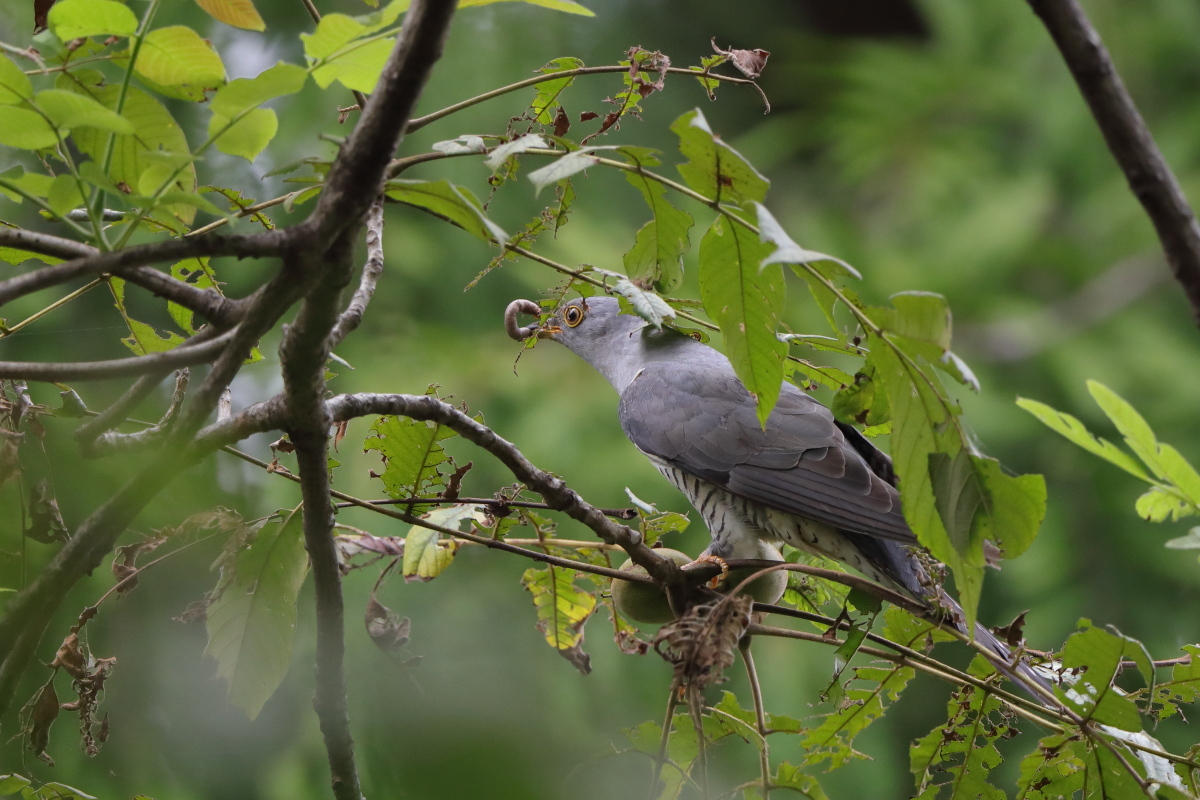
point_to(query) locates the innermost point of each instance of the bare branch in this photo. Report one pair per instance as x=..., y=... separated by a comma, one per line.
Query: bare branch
x=130, y=265
x=351, y=318
x=1149, y=176
x=43, y=243
x=185, y=355
x=112, y=416
x=111, y=441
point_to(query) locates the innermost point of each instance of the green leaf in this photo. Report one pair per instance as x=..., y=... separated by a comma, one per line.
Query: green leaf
x=656, y=258
x=156, y=149
x=59, y=791
x=921, y=426
x=520, y=144
x=238, y=13
x=251, y=626
x=13, y=783
x=25, y=129
x=411, y=455
x=714, y=169
x=65, y=195
x=243, y=94
x=1106, y=777
x=143, y=339
x=567, y=6
x=177, y=58
x=1130, y=423
x=247, y=137
x=197, y=273
x=562, y=610
x=425, y=556
x=32, y=183
x=746, y=302
x=1159, y=505
x=455, y=204
x=74, y=19
x=961, y=753
x=68, y=110
x=1051, y=771
x=646, y=305
x=1179, y=472
x=358, y=67
x=1073, y=429
x=335, y=31
x=1089, y=692
x=1014, y=506
x=833, y=739
x=14, y=85
x=792, y=777
x=562, y=167
x=786, y=250
x=549, y=92
x=1183, y=687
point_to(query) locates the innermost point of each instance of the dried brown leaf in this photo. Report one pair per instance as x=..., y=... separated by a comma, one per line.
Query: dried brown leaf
x=749, y=62
x=45, y=520
x=703, y=642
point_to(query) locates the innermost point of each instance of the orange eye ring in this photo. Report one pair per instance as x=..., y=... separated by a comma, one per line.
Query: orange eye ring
x=572, y=315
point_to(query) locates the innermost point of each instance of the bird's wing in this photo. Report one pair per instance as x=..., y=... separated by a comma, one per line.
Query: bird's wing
x=699, y=418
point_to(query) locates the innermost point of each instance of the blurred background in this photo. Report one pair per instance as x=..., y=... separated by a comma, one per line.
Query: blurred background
x=935, y=145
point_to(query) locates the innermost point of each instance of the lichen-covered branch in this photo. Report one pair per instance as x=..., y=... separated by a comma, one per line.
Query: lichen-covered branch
x=351, y=318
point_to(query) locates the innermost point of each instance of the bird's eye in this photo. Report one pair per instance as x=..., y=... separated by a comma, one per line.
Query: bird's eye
x=573, y=315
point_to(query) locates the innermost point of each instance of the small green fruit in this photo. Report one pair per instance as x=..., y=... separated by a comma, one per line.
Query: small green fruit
x=645, y=602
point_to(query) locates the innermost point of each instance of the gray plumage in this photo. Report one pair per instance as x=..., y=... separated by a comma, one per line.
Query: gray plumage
x=804, y=479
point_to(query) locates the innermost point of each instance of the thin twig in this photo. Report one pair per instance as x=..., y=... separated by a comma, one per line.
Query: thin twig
x=182, y=356
x=421, y=122
x=495, y=502
x=760, y=716
x=1129, y=139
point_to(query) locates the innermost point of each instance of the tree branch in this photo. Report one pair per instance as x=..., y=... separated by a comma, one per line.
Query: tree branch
x=1149, y=176
x=184, y=355
x=357, y=176
x=111, y=441
x=43, y=243
x=559, y=496
x=351, y=318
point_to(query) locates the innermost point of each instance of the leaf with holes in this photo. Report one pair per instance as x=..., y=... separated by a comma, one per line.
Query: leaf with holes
x=562, y=610
x=412, y=454
x=714, y=169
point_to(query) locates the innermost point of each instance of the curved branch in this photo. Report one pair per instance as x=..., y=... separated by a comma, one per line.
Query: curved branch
x=1129, y=139
x=559, y=496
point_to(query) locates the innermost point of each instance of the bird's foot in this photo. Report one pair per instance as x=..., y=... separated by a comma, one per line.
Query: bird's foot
x=720, y=562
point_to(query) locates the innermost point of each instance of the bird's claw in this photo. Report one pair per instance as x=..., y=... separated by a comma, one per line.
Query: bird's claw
x=720, y=562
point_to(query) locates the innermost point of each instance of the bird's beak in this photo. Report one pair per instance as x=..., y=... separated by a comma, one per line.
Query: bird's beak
x=547, y=331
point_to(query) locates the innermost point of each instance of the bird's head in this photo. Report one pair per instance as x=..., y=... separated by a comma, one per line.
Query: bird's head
x=594, y=329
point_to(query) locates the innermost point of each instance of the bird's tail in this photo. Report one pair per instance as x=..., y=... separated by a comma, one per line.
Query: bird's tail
x=1033, y=680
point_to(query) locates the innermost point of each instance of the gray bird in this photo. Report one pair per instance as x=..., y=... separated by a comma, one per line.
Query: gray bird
x=806, y=479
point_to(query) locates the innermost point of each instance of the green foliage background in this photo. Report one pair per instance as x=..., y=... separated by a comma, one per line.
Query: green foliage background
x=963, y=163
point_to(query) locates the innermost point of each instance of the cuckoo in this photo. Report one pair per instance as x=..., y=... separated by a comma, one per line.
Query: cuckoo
x=805, y=478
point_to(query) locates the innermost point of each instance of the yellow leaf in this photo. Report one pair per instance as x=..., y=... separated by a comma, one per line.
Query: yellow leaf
x=238, y=13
